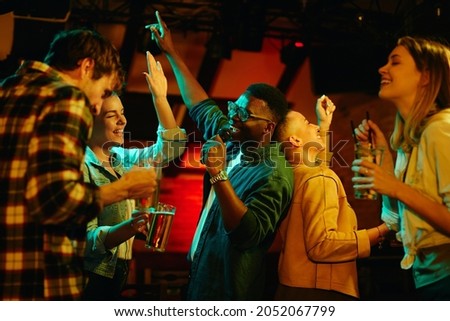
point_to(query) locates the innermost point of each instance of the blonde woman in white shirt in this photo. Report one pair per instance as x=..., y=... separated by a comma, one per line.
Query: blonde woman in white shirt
x=416, y=193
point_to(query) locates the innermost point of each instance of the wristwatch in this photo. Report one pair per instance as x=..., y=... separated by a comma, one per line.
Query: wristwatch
x=221, y=176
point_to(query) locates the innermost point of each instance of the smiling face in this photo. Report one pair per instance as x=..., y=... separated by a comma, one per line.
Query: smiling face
x=300, y=139
x=109, y=125
x=302, y=130
x=400, y=79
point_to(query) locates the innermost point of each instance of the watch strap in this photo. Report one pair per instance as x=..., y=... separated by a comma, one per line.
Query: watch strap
x=221, y=176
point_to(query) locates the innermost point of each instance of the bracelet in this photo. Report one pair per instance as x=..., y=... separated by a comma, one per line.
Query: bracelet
x=380, y=239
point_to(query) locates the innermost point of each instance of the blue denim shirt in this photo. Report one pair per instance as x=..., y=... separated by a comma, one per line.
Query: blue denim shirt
x=230, y=265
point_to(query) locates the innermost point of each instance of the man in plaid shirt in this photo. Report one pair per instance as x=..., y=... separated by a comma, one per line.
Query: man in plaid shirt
x=45, y=121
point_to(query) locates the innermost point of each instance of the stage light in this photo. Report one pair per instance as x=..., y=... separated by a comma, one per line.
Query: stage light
x=293, y=53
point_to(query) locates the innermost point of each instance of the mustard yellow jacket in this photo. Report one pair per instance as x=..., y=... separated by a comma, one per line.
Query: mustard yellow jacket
x=320, y=236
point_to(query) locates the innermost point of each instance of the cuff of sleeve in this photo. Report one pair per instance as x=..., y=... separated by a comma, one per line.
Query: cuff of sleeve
x=363, y=242
x=100, y=234
x=239, y=236
x=172, y=134
x=390, y=218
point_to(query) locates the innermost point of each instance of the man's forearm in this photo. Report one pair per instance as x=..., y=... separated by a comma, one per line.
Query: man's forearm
x=113, y=192
x=191, y=90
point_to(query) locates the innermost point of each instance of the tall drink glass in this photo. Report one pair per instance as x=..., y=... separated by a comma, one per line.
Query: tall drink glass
x=159, y=226
x=374, y=155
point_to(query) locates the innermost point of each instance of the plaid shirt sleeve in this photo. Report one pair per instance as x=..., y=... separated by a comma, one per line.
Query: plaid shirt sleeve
x=55, y=190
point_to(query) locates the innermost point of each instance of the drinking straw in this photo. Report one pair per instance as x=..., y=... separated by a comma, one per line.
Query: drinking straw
x=370, y=131
x=370, y=136
x=354, y=137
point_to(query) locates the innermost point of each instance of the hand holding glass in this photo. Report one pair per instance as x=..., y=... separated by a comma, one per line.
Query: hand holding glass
x=159, y=226
x=371, y=154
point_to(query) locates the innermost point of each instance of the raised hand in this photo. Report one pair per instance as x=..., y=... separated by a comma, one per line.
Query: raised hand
x=324, y=112
x=161, y=34
x=156, y=80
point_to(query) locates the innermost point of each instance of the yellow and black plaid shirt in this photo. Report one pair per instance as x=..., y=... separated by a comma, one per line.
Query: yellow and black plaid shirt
x=44, y=203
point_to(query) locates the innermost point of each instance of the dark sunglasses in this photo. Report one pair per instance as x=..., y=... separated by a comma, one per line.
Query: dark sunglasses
x=242, y=113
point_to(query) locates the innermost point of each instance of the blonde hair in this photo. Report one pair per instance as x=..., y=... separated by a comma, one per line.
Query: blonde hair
x=434, y=58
